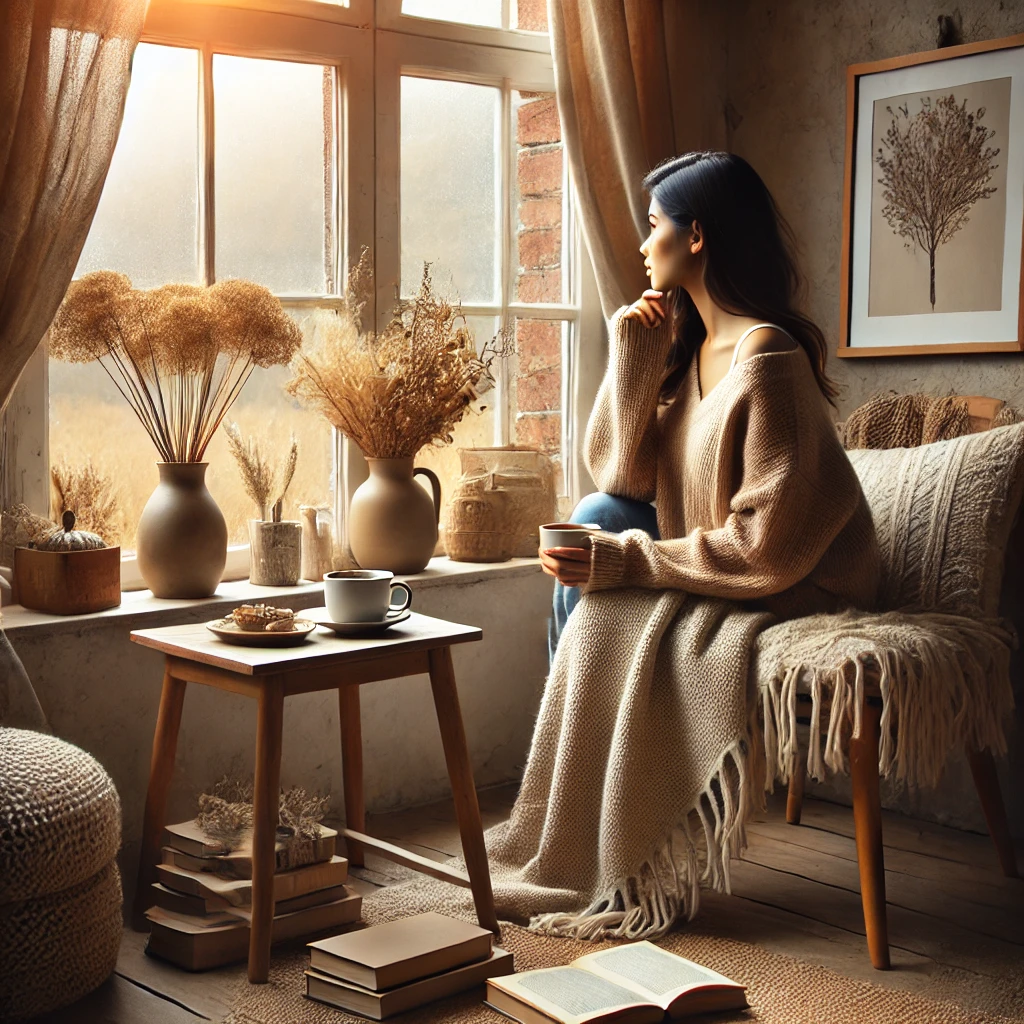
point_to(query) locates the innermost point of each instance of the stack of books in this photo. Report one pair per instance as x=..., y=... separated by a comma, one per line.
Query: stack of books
x=390, y=968
x=203, y=899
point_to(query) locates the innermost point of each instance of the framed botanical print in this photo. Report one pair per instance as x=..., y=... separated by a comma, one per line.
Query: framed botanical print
x=933, y=219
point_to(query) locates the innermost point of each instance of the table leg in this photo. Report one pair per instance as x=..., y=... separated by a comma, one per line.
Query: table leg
x=161, y=768
x=460, y=772
x=352, y=769
x=266, y=807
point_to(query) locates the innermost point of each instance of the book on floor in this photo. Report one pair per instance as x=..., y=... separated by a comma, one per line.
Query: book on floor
x=238, y=891
x=387, y=955
x=197, y=944
x=187, y=846
x=198, y=906
x=379, y=1005
x=638, y=983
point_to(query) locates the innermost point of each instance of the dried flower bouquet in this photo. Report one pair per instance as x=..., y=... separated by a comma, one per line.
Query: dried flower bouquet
x=396, y=390
x=258, y=474
x=179, y=354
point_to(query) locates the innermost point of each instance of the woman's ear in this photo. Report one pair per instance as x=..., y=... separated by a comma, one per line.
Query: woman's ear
x=696, y=238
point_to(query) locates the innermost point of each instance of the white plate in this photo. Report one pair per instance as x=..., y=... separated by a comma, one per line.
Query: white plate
x=321, y=617
x=229, y=631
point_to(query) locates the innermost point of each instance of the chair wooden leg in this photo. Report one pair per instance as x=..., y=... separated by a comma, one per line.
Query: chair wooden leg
x=460, y=771
x=867, y=817
x=265, y=811
x=983, y=768
x=161, y=768
x=352, y=769
x=795, y=797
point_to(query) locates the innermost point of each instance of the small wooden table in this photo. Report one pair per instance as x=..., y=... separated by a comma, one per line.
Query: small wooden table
x=419, y=645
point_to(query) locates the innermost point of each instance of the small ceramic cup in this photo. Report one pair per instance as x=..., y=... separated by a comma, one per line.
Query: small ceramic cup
x=362, y=595
x=567, y=535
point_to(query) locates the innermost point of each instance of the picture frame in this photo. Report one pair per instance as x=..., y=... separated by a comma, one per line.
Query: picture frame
x=933, y=203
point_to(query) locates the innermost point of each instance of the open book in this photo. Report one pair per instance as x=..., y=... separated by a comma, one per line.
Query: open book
x=632, y=984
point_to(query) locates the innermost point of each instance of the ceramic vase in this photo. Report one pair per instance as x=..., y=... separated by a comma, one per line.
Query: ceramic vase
x=182, y=539
x=392, y=521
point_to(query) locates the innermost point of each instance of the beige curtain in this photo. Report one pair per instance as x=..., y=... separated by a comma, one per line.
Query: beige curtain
x=638, y=81
x=64, y=70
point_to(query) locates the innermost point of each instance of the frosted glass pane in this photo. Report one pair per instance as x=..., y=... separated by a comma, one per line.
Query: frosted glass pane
x=450, y=145
x=468, y=12
x=273, y=165
x=145, y=225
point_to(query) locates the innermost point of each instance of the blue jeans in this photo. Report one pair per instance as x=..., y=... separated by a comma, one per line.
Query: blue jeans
x=614, y=515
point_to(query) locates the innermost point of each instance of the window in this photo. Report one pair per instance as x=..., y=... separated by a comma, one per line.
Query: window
x=275, y=144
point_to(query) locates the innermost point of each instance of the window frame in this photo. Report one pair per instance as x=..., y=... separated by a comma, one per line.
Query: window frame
x=371, y=45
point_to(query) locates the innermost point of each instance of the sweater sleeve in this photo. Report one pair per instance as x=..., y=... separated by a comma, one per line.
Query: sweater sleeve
x=621, y=439
x=792, y=499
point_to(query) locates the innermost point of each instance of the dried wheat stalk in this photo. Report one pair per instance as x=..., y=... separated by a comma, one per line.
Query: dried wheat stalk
x=399, y=389
x=179, y=354
x=90, y=494
x=258, y=474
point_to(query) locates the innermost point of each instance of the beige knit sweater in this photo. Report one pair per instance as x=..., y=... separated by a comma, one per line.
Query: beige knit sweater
x=756, y=498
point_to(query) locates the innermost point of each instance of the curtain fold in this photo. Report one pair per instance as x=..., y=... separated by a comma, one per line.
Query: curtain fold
x=636, y=83
x=64, y=72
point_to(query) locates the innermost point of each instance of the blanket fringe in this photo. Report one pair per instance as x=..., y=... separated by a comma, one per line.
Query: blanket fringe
x=666, y=888
x=944, y=682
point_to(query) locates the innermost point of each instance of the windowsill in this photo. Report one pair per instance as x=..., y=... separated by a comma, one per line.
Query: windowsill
x=139, y=608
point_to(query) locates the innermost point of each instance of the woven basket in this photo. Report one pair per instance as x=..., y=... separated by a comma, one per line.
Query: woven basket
x=60, y=890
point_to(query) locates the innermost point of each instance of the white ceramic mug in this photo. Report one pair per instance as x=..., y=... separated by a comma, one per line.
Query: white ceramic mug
x=362, y=595
x=566, y=535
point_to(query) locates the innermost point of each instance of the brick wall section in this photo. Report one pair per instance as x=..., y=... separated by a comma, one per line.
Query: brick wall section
x=538, y=380
x=532, y=15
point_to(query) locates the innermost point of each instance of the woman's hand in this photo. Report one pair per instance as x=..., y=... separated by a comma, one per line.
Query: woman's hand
x=649, y=309
x=570, y=566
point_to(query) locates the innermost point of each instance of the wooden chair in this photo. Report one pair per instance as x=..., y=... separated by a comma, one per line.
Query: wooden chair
x=864, y=777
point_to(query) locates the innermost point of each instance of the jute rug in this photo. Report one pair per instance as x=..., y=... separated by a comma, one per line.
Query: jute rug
x=780, y=989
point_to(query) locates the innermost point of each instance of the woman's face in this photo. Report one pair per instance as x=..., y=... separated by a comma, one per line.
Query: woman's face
x=669, y=254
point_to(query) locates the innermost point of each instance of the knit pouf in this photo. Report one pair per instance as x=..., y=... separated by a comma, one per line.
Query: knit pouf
x=60, y=890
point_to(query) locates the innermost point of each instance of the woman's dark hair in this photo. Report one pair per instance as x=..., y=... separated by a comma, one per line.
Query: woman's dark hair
x=749, y=267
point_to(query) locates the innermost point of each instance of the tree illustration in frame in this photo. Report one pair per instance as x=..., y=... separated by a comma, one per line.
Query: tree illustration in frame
x=935, y=167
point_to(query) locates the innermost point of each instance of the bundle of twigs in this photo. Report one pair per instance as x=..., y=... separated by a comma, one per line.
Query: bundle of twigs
x=394, y=391
x=179, y=354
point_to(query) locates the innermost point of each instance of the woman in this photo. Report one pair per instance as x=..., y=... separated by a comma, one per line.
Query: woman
x=718, y=246
x=646, y=757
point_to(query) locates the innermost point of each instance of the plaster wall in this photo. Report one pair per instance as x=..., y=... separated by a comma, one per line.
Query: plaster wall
x=785, y=111
x=101, y=692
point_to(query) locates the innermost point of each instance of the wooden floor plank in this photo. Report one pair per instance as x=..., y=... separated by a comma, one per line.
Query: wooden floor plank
x=206, y=995
x=902, y=890
x=965, y=881
x=943, y=942
x=118, y=1001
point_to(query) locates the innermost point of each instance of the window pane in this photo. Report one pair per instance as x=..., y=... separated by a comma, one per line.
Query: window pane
x=145, y=225
x=274, y=146
x=540, y=233
x=537, y=386
x=449, y=186
x=468, y=12
x=474, y=430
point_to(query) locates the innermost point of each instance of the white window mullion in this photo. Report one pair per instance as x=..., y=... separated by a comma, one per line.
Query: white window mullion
x=506, y=176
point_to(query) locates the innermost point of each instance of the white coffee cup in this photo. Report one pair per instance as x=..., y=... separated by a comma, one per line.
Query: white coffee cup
x=362, y=595
x=566, y=535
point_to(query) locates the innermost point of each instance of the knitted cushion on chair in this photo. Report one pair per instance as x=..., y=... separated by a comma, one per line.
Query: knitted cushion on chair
x=60, y=890
x=943, y=514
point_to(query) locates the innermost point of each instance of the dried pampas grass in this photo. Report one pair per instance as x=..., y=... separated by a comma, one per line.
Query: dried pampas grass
x=179, y=354
x=258, y=474
x=90, y=494
x=407, y=386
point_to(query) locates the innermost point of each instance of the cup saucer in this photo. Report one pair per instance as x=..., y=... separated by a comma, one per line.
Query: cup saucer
x=322, y=618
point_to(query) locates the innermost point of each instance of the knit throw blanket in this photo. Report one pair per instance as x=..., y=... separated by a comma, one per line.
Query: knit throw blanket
x=643, y=768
